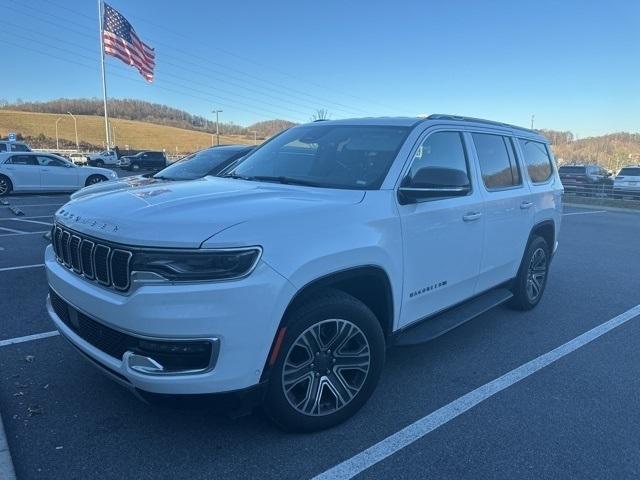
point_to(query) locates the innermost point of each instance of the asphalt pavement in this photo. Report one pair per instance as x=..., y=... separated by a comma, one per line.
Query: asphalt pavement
x=576, y=418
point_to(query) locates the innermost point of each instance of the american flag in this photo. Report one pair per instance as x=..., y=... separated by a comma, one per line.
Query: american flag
x=121, y=41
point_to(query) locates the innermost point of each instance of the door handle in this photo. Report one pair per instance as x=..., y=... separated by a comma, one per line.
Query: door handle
x=525, y=205
x=471, y=216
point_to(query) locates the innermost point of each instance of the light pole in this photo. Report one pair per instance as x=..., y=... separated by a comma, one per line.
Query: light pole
x=75, y=126
x=57, y=142
x=255, y=137
x=532, y=119
x=217, y=126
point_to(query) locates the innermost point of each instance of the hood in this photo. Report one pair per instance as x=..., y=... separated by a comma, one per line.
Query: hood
x=185, y=214
x=120, y=184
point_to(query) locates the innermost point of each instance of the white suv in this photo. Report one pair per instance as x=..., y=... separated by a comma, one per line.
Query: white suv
x=285, y=281
x=627, y=182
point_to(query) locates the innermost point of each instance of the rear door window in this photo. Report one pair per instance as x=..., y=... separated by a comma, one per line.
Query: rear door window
x=23, y=160
x=497, y=161
x=537, y=160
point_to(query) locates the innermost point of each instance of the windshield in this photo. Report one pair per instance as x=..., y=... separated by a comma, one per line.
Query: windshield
x=330, y=156
x=199, y=164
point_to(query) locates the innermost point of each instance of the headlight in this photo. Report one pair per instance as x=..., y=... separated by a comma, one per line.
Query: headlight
x=198, y=265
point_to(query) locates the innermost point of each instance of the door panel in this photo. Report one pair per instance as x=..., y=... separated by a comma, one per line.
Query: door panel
x=56, y=175
x=442, y=236
x=24, y=172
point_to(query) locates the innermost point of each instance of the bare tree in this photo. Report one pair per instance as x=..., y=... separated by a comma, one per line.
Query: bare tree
x=320, y=114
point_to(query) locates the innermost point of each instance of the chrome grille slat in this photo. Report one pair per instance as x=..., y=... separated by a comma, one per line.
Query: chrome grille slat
x=93, y=260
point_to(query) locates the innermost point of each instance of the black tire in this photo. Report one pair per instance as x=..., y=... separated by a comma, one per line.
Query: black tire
x=528, y=287
x=322, y=311
x=99, y=163
x=5, y=185
x=93, y=179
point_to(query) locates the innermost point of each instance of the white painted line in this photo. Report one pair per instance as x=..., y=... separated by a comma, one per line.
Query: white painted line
x=21, y=267
x=29, y=221
x=28, y=338
x=23, y=233
x=584, y=213
x=12, y=230
x=26, y=218
x=6, y=465
x=40, y=205
x=415, y=431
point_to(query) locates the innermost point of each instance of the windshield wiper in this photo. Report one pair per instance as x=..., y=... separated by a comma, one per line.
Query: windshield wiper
x=235, y=175
x=160, y=177
x=286, y=180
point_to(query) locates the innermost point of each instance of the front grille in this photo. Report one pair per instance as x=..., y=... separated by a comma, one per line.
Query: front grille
x=93, y=260
x=173, y=355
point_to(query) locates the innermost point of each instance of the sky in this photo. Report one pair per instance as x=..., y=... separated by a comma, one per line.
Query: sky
x=574, y=64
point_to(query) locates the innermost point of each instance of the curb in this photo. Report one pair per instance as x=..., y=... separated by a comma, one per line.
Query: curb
x=601, y=207
x=7, y=471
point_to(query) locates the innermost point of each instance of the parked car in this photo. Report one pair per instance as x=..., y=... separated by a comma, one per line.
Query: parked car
x=285, y=280
x=78, y=158
x=6, y=146
x=587, y=179
x=210, y=161
x=143, y=161
x=45, y=172
x=627, y=182
x=106, y=157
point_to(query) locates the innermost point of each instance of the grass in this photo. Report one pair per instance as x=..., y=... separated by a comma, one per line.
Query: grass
x=137, y=135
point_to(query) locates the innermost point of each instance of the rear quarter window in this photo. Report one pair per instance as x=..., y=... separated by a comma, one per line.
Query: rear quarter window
x=630, y=172
x=537, y=160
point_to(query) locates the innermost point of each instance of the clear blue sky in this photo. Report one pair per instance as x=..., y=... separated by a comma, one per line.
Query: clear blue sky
x=575, y=64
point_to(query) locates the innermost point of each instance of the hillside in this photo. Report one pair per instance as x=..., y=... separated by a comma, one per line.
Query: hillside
x=132, y=109
x=611, y=151
x=39, y=130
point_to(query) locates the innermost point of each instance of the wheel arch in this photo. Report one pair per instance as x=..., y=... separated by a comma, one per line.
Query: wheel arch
x=368, y=283
x=545, y=229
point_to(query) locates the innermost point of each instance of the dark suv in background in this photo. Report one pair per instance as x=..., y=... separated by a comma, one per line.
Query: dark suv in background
x=143, y=161
x=587, y=179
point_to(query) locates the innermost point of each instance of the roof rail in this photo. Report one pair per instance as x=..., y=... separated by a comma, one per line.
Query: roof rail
x=441, y=116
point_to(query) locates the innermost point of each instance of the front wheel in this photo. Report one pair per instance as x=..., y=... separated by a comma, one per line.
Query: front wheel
x=328, y=365
x=529, y=285
x=93, y=179
x=99, y=163
x=5, y=186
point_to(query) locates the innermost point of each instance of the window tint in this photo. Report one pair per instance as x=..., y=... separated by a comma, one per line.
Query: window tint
x=23, y=160
x=440, y=161
x=537, y=160
x=631, y=172
x=46, y=161
x=568, y=170
x=18, y=147
x=497, y=161
x=3, y=147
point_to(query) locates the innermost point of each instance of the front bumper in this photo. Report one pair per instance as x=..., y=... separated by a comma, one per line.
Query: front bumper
x=240, y=316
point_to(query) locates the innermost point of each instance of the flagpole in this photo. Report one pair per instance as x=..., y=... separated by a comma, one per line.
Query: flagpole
x=104, y=78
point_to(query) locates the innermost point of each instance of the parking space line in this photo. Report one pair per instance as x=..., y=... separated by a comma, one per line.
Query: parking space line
x=6, y=465
x=21, y=267
x=28, y=221
x=59, y=204
x=26, y=218
x=584, y=213
x=24, y=233
x=418, y=429
x=12, y=230
x=29, y=338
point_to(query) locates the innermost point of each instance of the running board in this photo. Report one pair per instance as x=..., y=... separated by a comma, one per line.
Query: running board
x=441, y=323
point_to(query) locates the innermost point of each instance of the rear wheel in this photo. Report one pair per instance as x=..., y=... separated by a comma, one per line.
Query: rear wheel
x=93, y=179
x=99, y=163
x=5, y=185
x=328, y=365
x=532, y=276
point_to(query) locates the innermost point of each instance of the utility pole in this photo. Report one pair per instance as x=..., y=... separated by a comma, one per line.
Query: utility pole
x=532, y=118
x=57, y=142
x=75, y=126
x=217, y=125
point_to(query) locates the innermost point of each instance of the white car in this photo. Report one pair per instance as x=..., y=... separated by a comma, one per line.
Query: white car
x=284, y=280
x=78, y=158
x=627, y=182
x=107, y=157
x=46, y=172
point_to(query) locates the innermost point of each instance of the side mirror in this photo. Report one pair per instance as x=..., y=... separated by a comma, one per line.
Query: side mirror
x=434, y=182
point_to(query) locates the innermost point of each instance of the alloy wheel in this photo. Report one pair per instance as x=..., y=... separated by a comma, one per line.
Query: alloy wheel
x=536, y=274
x=4, y=186
x=326, y=367
x=94, y=180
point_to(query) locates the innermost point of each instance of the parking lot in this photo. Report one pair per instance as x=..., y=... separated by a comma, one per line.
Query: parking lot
x=577, y=417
